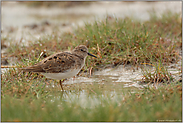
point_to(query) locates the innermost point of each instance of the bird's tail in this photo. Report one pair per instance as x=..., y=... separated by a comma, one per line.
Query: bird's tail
x=32, y=69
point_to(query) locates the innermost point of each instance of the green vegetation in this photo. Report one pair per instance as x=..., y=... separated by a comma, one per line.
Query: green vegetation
x=116, y=41
x=149, y=105
x=62, y=4
x=160, y=75
x=31, y=97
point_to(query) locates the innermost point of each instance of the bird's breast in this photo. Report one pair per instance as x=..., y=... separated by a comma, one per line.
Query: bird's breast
x=64, y=75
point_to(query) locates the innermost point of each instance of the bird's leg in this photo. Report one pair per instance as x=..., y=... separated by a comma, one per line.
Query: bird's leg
x=74, y=78
x=61, y=84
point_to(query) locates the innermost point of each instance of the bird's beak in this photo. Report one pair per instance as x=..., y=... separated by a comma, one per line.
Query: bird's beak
x=91, y=55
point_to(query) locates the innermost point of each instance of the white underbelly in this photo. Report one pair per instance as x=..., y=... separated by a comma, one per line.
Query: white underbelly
x=60, y=76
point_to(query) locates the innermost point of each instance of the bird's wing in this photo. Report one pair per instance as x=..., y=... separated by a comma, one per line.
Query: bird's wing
x=56, y=63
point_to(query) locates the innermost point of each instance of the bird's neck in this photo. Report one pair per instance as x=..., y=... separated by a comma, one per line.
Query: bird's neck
x=80, y=56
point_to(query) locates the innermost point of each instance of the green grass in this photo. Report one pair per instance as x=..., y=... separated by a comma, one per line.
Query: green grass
x=115, y=41
x=27, y=96
x=159, y=75
x=149, y=105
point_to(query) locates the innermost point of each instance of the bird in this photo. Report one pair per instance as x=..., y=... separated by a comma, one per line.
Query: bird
x=61, y=65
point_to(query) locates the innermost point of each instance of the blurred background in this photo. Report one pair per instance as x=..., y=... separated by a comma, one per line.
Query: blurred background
x=29, y=20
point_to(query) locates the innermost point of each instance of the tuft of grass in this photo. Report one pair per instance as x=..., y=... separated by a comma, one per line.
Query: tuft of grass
x=160, y=75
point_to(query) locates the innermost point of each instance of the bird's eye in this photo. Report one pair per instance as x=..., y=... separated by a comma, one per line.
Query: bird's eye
x=81, y=49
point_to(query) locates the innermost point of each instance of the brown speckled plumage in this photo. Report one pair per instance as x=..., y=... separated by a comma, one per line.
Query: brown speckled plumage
x=56, y=63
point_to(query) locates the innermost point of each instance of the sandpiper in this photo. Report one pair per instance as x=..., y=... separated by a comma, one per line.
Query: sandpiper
x=62, y=65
